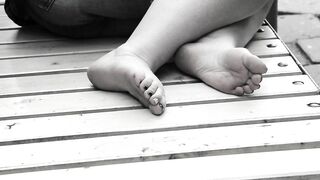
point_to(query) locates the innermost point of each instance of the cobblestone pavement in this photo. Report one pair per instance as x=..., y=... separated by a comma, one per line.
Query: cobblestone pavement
x=299, y=27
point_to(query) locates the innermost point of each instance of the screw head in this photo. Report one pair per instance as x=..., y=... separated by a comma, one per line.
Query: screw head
x=298, y=82
x=281, y=64
x=314, y=104
x=272, y=45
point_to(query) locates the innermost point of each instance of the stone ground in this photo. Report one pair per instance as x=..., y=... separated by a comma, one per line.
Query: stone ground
x=299, y=28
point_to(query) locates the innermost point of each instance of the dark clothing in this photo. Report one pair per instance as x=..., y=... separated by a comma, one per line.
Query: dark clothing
x=16, y=11
x=80, y=18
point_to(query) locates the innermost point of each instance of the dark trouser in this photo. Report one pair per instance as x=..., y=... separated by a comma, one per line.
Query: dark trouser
x=88, y=18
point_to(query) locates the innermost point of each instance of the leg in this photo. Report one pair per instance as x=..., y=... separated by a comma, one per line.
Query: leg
x=216, y=60
x=156, y=39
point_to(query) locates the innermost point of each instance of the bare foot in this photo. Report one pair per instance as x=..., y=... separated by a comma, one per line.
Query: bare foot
x=234, y=71
x=121, y=70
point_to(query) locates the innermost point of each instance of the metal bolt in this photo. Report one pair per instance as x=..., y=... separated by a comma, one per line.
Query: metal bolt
x=272, y=45
x=298, y=82
x=281, y=64
x=260, y=30
x=314, y=105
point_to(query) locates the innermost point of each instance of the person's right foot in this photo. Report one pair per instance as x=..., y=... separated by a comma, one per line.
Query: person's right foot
x=123, y=71
x=233, y=71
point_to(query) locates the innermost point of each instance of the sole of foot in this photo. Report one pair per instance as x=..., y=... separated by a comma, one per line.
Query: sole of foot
x=123, y=71
x=234, y=71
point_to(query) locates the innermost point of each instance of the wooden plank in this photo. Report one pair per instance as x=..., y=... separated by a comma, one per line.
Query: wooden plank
x=85, y=125
x=37, y=34
x=80, y=62
x=27, y=34
x=101, y=100
x=271, y=47
x=280, y=165
x=264, y=32
x=71, y=82
x=51, y=64
x=53, y=48
x=162, y=145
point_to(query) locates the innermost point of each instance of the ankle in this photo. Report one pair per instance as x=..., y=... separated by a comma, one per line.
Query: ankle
x=127, y=49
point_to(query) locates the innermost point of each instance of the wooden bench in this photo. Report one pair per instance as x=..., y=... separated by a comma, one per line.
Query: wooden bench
x=55, y=125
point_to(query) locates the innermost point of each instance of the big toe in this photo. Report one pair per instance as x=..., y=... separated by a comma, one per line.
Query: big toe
x=158, y=101
x=254, y=64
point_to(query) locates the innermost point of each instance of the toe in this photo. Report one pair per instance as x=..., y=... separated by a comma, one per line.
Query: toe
x=254, y=64
x=151, y=90
x=138, y=78
x=252, y=85
x=145, y=84
x=158, y=102
x=239, y=91
x=256, y=79
x=247, y=89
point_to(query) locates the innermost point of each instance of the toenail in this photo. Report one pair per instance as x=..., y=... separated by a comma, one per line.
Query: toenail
x=156, y=100
x=161, y=106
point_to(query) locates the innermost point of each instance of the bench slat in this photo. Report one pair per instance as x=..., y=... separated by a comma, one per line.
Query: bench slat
x=141, y=120
x=51, y=64
x=101, y=100
x=80, y=62
x=280, y=165
x=79, y=81
x=163, y=145
x=36, y=34
x=54, y=48
x=27, y=34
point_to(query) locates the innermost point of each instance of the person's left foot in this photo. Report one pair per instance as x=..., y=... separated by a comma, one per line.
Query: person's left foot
x=233, y=71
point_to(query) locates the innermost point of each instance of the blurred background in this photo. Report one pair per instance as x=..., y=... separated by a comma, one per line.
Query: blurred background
x=299, y=28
